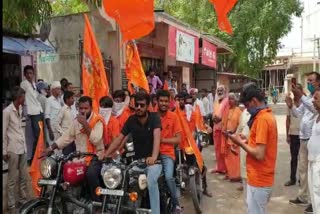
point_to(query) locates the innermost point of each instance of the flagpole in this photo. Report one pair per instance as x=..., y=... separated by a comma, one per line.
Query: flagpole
x=80, y=58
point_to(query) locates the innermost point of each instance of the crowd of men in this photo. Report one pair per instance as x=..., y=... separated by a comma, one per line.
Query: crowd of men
x=244, y=132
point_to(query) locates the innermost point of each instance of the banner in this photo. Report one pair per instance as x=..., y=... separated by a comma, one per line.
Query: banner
x=209, y=54
x=185, y=47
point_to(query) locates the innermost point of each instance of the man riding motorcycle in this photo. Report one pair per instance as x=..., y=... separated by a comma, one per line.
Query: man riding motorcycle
x=87, y=133
x=145, y=129
x=170, y=136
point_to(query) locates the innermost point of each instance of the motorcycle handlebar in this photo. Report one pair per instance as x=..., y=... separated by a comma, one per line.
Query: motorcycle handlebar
x=78, y=155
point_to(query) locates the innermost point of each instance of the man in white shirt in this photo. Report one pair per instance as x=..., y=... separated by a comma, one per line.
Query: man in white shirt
x=14, y=148
x=307, y=113
x=211, y=97
x=205, y=101
x=314, y=157
x=197, y=101
x=53, y=106
x=34, y=109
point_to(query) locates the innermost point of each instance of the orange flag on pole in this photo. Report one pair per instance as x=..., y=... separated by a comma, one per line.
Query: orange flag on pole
x=187, y=136
x=223, y=7
x=35, y=165
x=135, y=17
x=134, y=70
x=94, y=78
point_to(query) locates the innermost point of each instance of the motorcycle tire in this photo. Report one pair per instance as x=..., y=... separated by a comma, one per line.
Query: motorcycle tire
x=42, y=209
x=196, y=192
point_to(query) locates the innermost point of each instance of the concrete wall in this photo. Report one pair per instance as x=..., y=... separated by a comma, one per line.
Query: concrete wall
x=64, y=35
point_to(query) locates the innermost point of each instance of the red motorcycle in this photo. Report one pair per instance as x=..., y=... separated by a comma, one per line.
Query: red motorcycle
x=62, y=187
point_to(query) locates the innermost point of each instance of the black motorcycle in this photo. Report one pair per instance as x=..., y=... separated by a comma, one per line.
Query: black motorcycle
x=190, y=178
x=126, y=187
x=62, y=189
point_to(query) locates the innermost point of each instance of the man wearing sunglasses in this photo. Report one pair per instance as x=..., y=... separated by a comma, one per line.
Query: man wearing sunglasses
x=145, y=129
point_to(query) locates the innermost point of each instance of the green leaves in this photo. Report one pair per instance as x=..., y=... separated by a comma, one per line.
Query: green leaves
x=23, y=15
x=258, y=26
x=65, y=7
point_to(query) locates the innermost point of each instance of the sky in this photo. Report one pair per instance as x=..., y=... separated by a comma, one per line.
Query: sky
x=311, y=27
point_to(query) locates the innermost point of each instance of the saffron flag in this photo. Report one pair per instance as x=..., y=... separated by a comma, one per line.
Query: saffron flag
x=199, y=119
x=35, y=165
x=190, y=143
x=223, y=7
x=94, y=78
x=134, y=70
x=135, y=17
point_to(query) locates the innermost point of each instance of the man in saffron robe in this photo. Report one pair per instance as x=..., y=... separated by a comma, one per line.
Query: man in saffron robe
x=231, y=152
x=220, y=105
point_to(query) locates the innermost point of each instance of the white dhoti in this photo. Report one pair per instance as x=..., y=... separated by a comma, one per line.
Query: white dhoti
x=314, y=184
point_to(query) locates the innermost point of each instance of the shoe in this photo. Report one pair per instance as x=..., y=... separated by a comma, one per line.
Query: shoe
x=297, y=201
x=177, y=210
x=309, y=210
x=206, y=193
x=240, y=188
x=290, y=183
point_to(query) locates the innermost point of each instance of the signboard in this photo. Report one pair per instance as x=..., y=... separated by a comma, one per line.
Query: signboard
x=209, y=54
x=44, y=58
x=185, y=47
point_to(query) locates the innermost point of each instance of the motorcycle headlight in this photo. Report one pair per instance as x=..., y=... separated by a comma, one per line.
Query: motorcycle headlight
x=48, y=167
x=130, y=147
x=112, y=176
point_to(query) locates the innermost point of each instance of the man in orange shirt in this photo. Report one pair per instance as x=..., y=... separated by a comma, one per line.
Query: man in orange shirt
x=185, y=104
x=113, y=126
x=170, y=136
x=261, y=148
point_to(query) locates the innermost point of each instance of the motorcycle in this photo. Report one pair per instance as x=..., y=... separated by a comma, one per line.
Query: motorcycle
x=61, y=187
x=126, y=187
x=190, y=178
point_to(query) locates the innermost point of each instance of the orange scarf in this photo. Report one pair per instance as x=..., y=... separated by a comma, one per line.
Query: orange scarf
x=190, y=146
x=90, y=147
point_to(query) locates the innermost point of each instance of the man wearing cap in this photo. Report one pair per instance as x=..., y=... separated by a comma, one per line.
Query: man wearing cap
x=53, y=105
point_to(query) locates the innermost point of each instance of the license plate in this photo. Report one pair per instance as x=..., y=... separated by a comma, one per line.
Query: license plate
x=130, y=154
x=112, y=192
x=47, y=182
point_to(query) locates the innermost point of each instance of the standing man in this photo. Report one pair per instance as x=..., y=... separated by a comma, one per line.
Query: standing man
x=292, y=128
x=314, y=157
x=64, y=120
x=34, y=109
x=211, y=97
x=220, y=105
x=307, y=113
x=53, y=106
x=154, y=81
x=261, y=148
x=170, y=136
x=205, y=101
x=14, y=148
x=145, y=128
x=87, y=133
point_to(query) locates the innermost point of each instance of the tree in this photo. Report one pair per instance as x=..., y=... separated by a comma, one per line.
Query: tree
x=258, y=25
x=23, y=16
x=65, y=7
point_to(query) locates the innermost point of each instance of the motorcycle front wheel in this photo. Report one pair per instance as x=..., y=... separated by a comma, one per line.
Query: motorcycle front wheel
x=195, y=183
x=42, y=209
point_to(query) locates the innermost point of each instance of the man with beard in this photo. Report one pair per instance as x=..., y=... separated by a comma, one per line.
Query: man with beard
x=87, y=133
x=145, y=128
x=170, y=136
x=113, y=127
x=119, y=107
x=219, y=107
x=185, y=104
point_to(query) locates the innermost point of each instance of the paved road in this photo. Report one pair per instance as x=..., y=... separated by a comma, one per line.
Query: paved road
x=226, y=198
